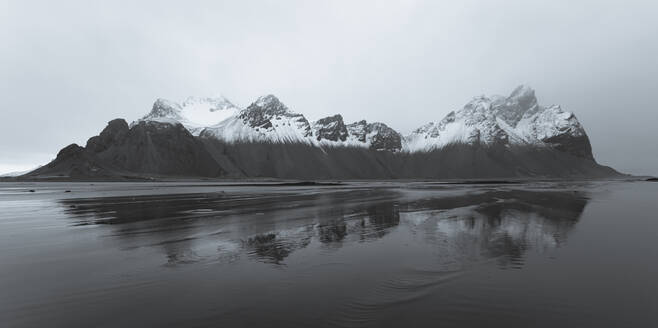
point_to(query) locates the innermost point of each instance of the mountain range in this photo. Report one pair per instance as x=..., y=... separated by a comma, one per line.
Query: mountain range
x=490, y=137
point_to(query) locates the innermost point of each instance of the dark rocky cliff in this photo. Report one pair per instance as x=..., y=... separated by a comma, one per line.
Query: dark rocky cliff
x=151, y=149
x=147, y=148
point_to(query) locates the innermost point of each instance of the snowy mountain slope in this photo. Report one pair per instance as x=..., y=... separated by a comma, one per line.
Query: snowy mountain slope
x=194, y=113
x=514, y=120
x=332, y=131
x=266, y=120
x=153, y=150
x=517, y=119
x=331, y=128
x=377, y=136
x=269, y=120
x=490, y=137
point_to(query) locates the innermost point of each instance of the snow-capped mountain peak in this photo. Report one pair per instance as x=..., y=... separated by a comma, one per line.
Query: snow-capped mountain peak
x=332, y=131
x=211, y=104
x=271, y=102
x=517, y=119
x=194, y=113
x=266, y=119
x=330, y=128
x=523, y=94
x=521, y=101
x=267, y=109
x=165, y=108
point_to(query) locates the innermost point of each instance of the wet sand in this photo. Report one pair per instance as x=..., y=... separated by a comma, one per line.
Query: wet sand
x=380, y=254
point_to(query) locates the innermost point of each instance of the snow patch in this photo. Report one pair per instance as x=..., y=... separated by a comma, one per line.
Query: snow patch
x=513, y=120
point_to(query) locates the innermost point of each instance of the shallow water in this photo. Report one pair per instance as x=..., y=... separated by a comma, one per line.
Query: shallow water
x=364, y=254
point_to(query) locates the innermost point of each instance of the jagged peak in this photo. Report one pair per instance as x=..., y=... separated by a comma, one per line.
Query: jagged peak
x=268, y=113
x=358, y=123
x=523, y=97
x=268, y=105
x=163, y=107
x=378, y=126
x=114, y=130
x=485, y=119
x=165, y=102
x=328, y=119
x=117, y=123
x=515, y=119
x=195, y=113
x=331, y=128
x=424, y=128
x=478, y=103
x=383, y=137
x=69, y=150
x=522, y=91
x=267, y=100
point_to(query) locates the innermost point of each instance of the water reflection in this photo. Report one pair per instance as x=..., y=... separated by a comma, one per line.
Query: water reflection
x=333, y=232
x=501, y=224
x=508, y=223
x=273, y=247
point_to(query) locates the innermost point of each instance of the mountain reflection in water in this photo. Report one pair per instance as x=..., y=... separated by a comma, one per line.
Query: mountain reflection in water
x=493, y=223
x=361, y=254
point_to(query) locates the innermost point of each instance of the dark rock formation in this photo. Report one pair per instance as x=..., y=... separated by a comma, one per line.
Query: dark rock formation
x=148, y=148
x=164, y=108
x=521, y=101
x=384, y=137
x=359, y=130
x=262, y=114
x=578, y=146
x=153, y=149
x=115, y=132
x=463, y=161
x=331, y=128
x=380, y=135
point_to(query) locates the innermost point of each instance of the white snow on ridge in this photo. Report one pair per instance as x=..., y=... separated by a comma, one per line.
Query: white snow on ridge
x=208, y=111
x=514, y=120
x=234, y=129
x=549, y=122
x=266, y=120
x=422, y=138
x=194, y=113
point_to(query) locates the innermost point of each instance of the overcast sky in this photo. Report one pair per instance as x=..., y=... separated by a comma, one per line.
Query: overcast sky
x=68, y=67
